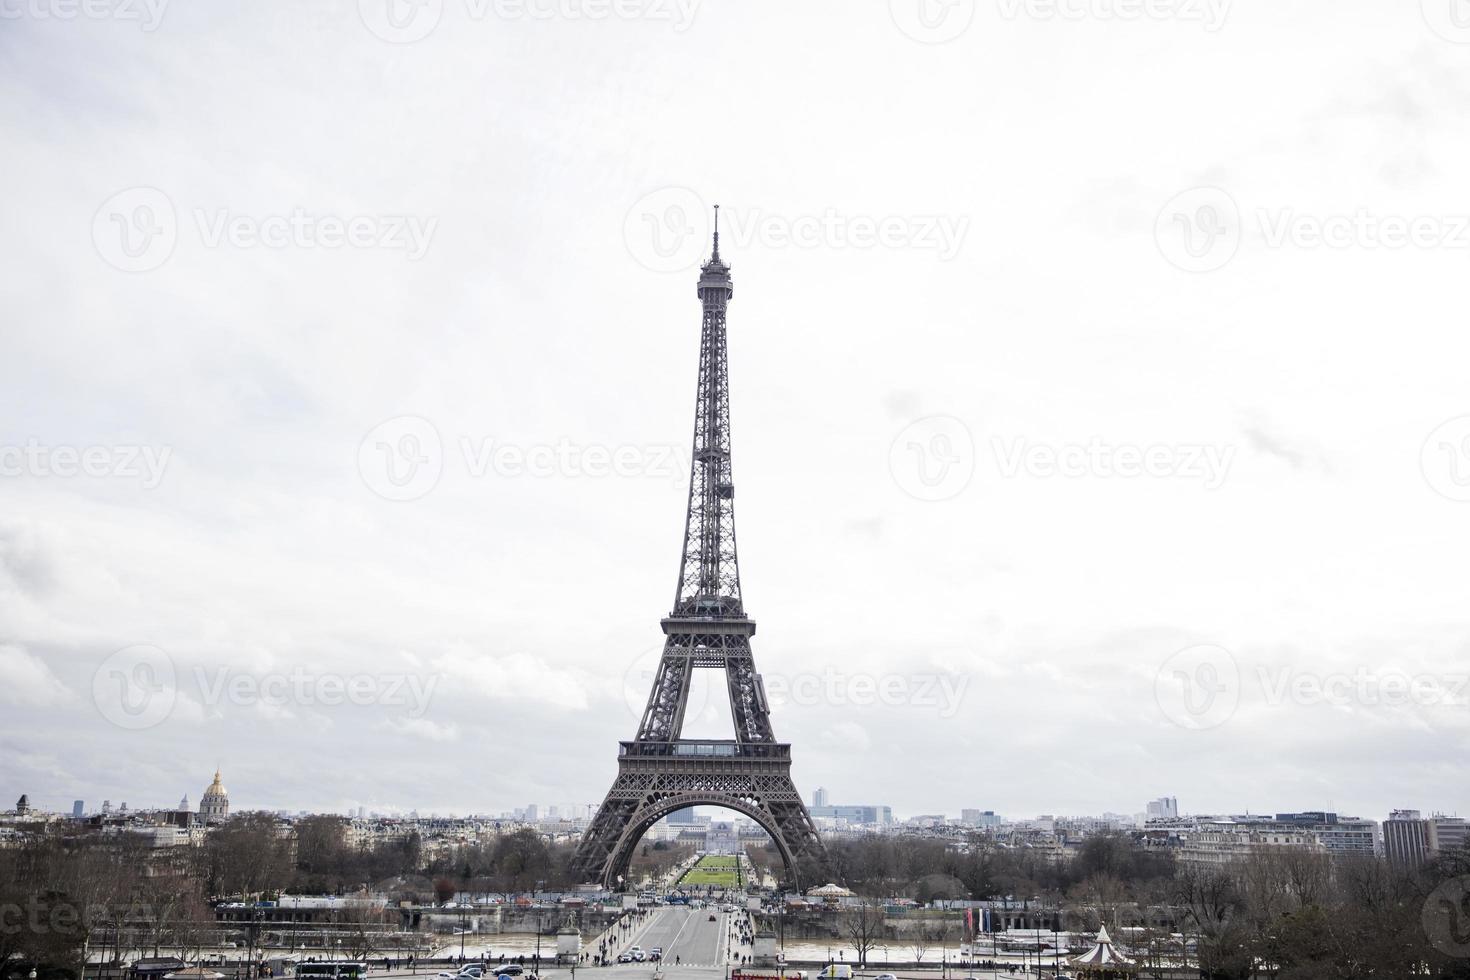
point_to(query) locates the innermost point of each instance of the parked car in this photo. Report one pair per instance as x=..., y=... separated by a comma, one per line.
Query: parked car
x=885, y=976
x=446, y=975
x=510, y=970
x=836, y=971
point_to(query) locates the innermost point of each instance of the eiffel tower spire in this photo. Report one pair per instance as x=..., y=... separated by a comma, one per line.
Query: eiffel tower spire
x=709, y=575
x=660, y=771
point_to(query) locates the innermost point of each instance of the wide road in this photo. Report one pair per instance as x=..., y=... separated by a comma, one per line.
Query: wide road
x=687, y=936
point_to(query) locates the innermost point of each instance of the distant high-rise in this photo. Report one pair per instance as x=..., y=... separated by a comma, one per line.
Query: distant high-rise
x=1447, y=834
x=77, y=809
x=979, y=818
x=1164, y=808
x=861, y=813
x=682, y=817
x=532, y=813
x=819, y=798
x=1406, y=839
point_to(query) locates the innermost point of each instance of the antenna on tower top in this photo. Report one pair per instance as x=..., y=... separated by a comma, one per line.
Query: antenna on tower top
x=717, y=231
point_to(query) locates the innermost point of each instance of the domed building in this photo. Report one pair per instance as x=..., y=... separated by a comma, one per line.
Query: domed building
x=214, y=805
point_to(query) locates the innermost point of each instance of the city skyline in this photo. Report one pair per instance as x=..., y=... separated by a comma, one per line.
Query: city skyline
x=579, y=811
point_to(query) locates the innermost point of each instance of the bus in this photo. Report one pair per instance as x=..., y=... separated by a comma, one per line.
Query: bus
x=332, y=970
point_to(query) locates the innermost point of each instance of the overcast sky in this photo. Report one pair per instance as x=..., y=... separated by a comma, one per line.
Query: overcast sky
x=1101, y=418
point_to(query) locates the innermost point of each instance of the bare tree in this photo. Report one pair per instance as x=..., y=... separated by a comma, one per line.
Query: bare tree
x=863, y=925
x=920, y=939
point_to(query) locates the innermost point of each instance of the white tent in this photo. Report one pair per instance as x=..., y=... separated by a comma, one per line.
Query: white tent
x=1103, y=960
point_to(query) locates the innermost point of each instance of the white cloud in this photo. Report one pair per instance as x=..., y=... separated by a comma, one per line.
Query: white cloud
x=25, y=680
x=530, y=322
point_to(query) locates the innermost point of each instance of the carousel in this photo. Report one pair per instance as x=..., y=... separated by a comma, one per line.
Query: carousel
x=1103, y=961
x=194, y=973
x=830, y=893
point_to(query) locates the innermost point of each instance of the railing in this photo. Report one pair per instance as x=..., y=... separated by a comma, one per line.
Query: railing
x=712, y=749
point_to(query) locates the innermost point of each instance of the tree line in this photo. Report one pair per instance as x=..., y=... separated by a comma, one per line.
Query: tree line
x=1290, y=913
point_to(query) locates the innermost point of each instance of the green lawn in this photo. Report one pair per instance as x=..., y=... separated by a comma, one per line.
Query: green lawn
x=714, y=870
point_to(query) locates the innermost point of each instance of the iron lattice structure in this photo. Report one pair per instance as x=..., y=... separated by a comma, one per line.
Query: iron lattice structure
x=659, y=772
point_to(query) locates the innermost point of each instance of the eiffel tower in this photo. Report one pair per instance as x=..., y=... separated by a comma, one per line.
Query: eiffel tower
x=660, y=772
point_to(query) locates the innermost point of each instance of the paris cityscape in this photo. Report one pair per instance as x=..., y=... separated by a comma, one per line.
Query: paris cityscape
x=1096, y=376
